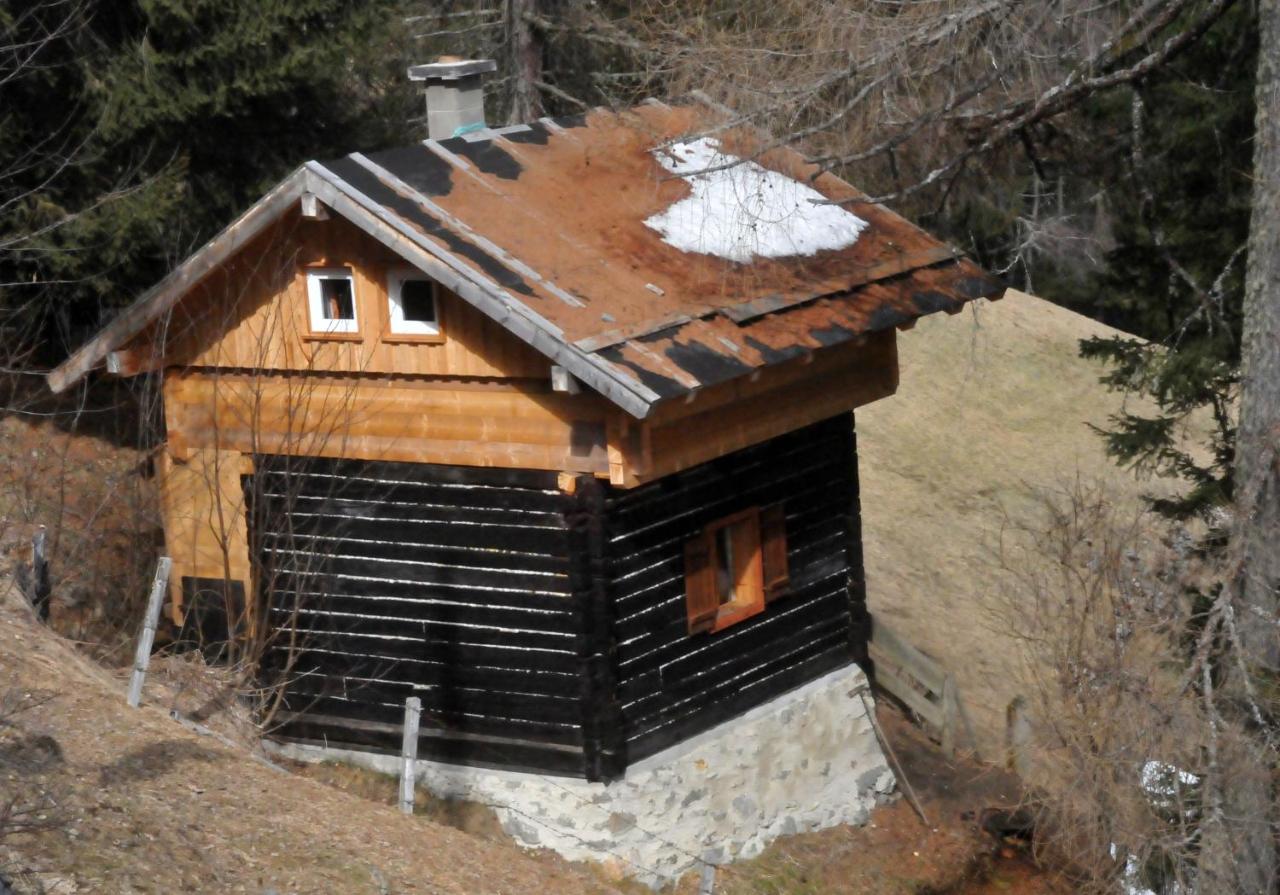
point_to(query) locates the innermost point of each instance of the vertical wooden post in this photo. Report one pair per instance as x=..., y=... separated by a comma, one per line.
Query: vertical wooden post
x=142, y=658
x=41, y=589
x=950, y=716
x=1018, y=737
x=604, y=749
x=859, y=617
x=409, y=752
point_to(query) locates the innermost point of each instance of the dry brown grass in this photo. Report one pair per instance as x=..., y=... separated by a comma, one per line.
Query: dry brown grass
x=992, y=415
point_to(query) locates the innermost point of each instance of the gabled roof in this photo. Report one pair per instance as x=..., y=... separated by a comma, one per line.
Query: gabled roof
x=575, y=234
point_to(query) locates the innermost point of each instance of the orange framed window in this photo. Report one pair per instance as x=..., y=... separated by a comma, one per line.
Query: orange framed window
x=734, y=566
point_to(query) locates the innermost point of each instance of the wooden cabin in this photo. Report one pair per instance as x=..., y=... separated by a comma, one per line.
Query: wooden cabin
x=535, y=424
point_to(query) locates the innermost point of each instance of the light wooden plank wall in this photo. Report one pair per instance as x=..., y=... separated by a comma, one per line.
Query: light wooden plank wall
x=746, y=412
x=205, y=527
x=245, y=376
x=423, y=422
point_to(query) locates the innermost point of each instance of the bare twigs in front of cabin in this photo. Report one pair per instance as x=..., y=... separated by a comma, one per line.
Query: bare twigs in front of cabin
x=91, y=502
x=1115, y=737
x=267, y=409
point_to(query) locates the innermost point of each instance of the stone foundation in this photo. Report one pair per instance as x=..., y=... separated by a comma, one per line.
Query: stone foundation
x=806, y=761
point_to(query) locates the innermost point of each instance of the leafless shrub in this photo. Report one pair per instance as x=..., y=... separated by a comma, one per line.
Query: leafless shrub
x=1106, y=611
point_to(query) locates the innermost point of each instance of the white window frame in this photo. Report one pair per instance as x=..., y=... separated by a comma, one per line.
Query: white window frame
x=399, y=326
x=315, y=300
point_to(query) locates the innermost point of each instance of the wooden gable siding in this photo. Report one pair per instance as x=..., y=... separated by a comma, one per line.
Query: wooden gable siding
x=251, y=314
x=672, y=685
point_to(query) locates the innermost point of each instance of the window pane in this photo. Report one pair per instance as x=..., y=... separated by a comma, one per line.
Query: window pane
x=418, y=301
x=725, y=577
x=336, y=299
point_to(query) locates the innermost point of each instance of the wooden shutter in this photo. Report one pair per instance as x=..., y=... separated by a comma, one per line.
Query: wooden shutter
x=701, y=600
x=773, y=548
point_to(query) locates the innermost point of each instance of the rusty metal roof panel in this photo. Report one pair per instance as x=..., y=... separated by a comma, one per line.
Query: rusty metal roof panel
x=715, y=349
x=552, y=216
x=549, y=228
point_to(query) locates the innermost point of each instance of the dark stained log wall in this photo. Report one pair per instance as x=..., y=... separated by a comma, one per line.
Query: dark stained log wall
x=449, y=583
x=543, y=630
x=671, y=685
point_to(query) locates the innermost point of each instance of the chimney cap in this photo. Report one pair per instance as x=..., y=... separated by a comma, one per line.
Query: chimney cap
x=451, y=68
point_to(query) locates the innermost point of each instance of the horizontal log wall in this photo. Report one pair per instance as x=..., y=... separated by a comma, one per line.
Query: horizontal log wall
x=671, y=685
x=453, y=584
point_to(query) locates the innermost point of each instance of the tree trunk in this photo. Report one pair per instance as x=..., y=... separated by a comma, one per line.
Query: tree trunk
x=1238, y=847
x=1257, y=472
x=525, y=49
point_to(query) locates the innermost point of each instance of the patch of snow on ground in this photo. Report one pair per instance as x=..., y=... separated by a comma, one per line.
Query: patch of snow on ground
x=746, y=210
x=1160, y=779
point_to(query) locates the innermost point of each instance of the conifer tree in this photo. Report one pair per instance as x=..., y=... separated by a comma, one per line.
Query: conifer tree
x=171, y=116
x=1179, y=201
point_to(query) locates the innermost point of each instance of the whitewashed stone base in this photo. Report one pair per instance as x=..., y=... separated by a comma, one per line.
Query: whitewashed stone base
x=806, y=761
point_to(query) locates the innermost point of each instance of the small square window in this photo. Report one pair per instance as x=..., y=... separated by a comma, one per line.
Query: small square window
x=413, y=304
x=331, y=299
x=734, y=566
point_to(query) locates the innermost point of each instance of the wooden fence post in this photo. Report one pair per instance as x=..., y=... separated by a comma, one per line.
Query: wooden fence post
x=142, y=658
x=409, y=752
x=37, y=588
x=950, y=716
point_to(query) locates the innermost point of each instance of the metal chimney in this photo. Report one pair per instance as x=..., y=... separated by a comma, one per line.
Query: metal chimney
x=455, y=100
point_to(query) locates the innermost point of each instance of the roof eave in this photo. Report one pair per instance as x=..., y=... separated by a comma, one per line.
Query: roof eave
x=162, y=296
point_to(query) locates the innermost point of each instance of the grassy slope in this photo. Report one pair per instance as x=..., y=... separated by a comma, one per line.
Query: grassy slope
x=990, y=416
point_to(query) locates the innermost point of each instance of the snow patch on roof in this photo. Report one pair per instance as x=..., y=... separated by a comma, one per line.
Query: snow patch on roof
x=745, y=210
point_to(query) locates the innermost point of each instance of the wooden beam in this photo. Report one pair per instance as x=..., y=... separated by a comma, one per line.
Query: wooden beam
x=564, y=381
x=133, y=361
x=312, y=208
x=719, y=428
x=876, y=351
x=346, y=417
